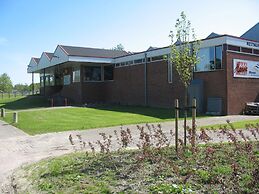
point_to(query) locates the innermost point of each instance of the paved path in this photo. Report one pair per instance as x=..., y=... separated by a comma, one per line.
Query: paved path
x=8, y=131
x=18, y=148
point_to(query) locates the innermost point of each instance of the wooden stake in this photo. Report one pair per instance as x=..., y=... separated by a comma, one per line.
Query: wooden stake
x=176, y=124
x=193, y=121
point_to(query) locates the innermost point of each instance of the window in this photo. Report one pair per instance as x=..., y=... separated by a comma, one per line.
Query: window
x=47, y=80
x=108, y=72
x=138, y=61
x=170, y=72
x=218, y=59
x=76, y=74
x=51, y=80
x=41, y=80
x=157, y=58
x=210, y=59
x=246, y=50
x=67, y=80
x=233, y=48
x=256, y=51
x=92, y=73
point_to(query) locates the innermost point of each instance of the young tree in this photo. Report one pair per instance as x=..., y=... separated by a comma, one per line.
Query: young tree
x=184, y=55
x=5, y=83
x=119, y=47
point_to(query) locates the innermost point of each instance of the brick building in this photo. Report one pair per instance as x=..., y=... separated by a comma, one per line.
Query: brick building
x=226, y=77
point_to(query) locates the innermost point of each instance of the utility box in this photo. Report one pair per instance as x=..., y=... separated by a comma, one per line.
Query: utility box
x=214, y=106
x=195, y=90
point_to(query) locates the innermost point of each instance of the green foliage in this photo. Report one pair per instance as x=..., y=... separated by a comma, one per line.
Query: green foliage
x=184, y=52
x=119, y=47
x=5, y=83
x=125, y=172
x=22, y=88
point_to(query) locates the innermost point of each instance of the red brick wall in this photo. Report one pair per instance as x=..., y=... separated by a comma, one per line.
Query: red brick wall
x=72, y=91
x=127, y=87
x=240, y=90
x=160, y=92
x=92, y=92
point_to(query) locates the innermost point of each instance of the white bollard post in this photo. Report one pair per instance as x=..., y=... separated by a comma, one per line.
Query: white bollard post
x=15, y=117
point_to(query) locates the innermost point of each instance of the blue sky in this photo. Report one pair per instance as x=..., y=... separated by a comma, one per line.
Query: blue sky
x=29, y=27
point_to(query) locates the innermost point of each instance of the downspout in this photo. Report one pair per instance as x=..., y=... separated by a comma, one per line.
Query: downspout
x=145, y=80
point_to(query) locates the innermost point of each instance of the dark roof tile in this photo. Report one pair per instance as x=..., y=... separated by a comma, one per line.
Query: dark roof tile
x=92, y=52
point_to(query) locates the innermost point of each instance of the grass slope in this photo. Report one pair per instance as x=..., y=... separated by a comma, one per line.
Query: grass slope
x=218, y=168
x=54, y=120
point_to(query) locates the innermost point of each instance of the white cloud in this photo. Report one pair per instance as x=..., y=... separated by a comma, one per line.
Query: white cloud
x=3, y=40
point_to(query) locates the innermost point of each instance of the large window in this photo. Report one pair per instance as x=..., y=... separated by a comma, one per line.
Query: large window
x=108, y=72
x=92, y=73
x=66, y=80
x=210, y=59
x=41, y=80
x=51, y=80
x=76, y=74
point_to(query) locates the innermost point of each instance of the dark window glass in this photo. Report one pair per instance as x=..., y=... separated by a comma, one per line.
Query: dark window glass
x=51, y=80
x=157, y=58
x=47, y=81
x=212, y=58
x=256, y=51
x=246, y=50
x=233, y=48
x=138, y=61
x=218, y=58
x=108, y=72
x=92, y=73
x=41, y=81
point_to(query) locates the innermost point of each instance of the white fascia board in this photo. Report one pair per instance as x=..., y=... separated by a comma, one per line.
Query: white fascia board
x=159, y=52
x=243, y=43
x=130, y=57
x=213, y=42
x=90, y=59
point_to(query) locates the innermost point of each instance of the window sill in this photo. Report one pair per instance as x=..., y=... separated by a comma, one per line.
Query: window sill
x=208, y=71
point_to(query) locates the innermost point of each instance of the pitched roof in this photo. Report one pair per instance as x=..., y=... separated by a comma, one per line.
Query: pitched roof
x=49, y=55
x=213, y=35
x=36, y=59
x=252, y=33
x=92, y=52
x=151, y=48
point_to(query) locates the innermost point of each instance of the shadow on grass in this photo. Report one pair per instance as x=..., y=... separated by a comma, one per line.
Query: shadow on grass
x=27, y=102
x=160, y=113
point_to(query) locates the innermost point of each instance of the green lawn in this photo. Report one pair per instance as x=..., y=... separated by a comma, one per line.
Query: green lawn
x=54, y=120
x=237, y=125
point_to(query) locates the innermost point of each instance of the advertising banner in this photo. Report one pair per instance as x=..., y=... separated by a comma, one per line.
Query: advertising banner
x=245, y=69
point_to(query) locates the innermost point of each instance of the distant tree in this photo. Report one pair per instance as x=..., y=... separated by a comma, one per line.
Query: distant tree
x=5, y=83
x=22, y=88
x=36, y=88
x=184, y=55
x=119, y=47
